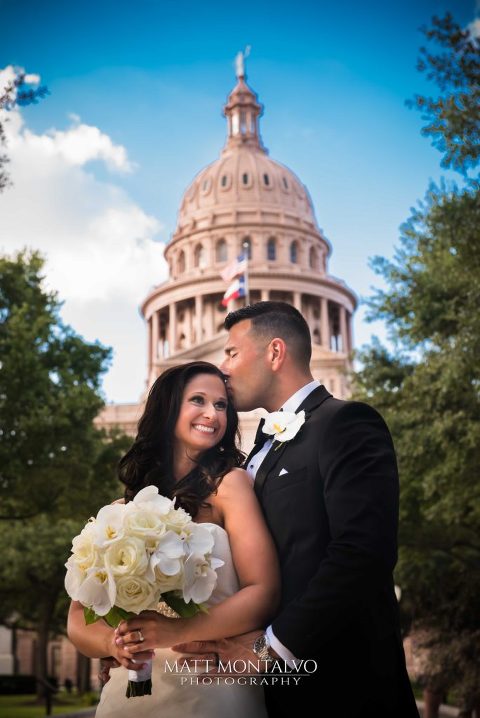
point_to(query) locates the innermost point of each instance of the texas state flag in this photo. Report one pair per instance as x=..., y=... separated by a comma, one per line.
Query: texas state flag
x=238, y=266
x=236, y=289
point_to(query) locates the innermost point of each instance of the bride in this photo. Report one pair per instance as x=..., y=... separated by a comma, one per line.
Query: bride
x=186, y=446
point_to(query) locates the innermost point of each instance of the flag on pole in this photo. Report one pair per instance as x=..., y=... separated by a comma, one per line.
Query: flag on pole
x=238, y=266
x=235, y=290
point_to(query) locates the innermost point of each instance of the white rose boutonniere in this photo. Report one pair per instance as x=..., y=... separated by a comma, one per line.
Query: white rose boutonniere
x=283, y=425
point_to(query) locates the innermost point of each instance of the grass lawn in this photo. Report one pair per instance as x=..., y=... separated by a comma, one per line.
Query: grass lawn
x=25, y=706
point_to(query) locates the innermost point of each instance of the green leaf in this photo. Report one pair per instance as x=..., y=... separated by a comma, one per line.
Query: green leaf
x=90, y=615
x=186, y=610
x=117, y=615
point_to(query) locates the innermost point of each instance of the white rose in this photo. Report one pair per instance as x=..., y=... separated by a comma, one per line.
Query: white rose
x=145, y=524
x=177, y=519
x=126, y=557
x=135, y=594
x=73, y=578
x=85, y=553
x=166, y=583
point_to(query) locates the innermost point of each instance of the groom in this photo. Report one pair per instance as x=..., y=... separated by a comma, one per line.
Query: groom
x=330, y=499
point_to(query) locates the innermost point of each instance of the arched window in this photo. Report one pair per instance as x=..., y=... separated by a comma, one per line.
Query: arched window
x=294, y=252
x=247, y=247
x=181, y=262
x=313, y=258
x=271, y=249
x=199, y=256
x=221, y=252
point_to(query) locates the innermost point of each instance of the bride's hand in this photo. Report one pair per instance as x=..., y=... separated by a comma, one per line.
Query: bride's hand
x=122, y=655
x=147, y=631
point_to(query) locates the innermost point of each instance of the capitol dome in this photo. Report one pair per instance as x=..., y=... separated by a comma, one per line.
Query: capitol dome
x=246, y=202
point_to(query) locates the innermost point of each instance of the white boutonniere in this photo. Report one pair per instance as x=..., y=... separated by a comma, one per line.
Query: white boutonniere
x=283, y=425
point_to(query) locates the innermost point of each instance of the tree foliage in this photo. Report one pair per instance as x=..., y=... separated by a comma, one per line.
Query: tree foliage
x=454, y=116
x=49, y=397
x=16, y=93
x=57, y=469
x=428, y=385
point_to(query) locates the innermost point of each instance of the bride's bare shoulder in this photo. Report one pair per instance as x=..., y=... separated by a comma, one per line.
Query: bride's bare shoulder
x=237, y=480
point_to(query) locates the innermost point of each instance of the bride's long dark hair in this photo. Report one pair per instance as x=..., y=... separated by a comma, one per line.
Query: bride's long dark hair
x=150, y=458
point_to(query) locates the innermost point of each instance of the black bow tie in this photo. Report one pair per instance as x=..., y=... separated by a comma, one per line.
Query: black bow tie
x=260, y=437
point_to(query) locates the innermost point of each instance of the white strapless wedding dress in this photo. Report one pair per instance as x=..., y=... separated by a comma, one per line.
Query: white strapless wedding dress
x=175, y=696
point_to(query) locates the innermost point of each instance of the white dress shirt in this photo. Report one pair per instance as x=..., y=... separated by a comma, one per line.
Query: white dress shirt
x=291, y=404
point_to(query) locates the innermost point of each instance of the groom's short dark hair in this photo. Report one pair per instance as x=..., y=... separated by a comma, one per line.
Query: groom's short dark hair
x=277, y=319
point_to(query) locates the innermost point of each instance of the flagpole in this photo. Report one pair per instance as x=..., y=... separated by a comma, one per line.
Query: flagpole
x=247, y=283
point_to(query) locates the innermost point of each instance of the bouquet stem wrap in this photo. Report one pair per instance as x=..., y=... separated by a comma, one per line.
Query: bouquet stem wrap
x=140, y=682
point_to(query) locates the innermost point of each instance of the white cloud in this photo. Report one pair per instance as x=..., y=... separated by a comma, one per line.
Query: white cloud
x=474, y=27
x=99, y=243
x=32, y=79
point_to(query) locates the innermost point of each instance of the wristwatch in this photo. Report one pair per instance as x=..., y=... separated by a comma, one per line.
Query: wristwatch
x=260, y=648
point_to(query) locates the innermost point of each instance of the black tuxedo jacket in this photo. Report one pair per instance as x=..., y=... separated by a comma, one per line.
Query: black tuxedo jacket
x=330, y=499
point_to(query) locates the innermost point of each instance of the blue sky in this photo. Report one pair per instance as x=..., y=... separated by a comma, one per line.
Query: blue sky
x=148, y=79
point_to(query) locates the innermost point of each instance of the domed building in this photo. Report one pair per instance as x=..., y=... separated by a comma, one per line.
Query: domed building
x=244, y=202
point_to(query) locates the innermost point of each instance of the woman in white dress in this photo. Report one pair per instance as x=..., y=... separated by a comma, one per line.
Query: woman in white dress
x=186, y=446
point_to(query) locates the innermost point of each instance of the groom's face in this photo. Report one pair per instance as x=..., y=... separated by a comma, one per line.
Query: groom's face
x=245, y=367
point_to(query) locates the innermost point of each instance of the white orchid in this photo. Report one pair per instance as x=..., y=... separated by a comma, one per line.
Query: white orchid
x=149, y=498
x=197, y=539
x=200, y=577
x=167, y=555
x=98, y=590
x=109, y=525
x=283, y=425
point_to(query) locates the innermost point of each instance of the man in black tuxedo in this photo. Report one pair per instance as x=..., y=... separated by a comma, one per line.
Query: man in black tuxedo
x=330, y=499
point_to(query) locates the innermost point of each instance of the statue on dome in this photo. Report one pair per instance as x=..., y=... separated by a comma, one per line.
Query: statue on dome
x=240, y=62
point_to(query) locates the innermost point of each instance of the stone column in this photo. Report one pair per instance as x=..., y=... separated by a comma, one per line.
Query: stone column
x=209, y=318
x=155, y=336
x=189, y=325
x=325, y=324
x=198, y=317
x=343, y=328
x=265, y=295
x=350, y=331
x=297, y=301
x=172, y=328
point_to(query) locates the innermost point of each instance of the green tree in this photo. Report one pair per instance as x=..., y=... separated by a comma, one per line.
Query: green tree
x=57, y=469
x=428, y=385
x=453, y=117
x=49, y=397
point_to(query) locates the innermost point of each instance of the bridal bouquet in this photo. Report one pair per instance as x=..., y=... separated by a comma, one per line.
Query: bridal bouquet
x=132, y=556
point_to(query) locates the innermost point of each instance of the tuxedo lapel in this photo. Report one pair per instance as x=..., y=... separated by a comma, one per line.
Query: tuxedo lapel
x=268, y=464
x=312, y=402
x=314, y=399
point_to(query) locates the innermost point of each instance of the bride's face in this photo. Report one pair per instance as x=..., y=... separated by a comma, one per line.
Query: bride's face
x=202, y=419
